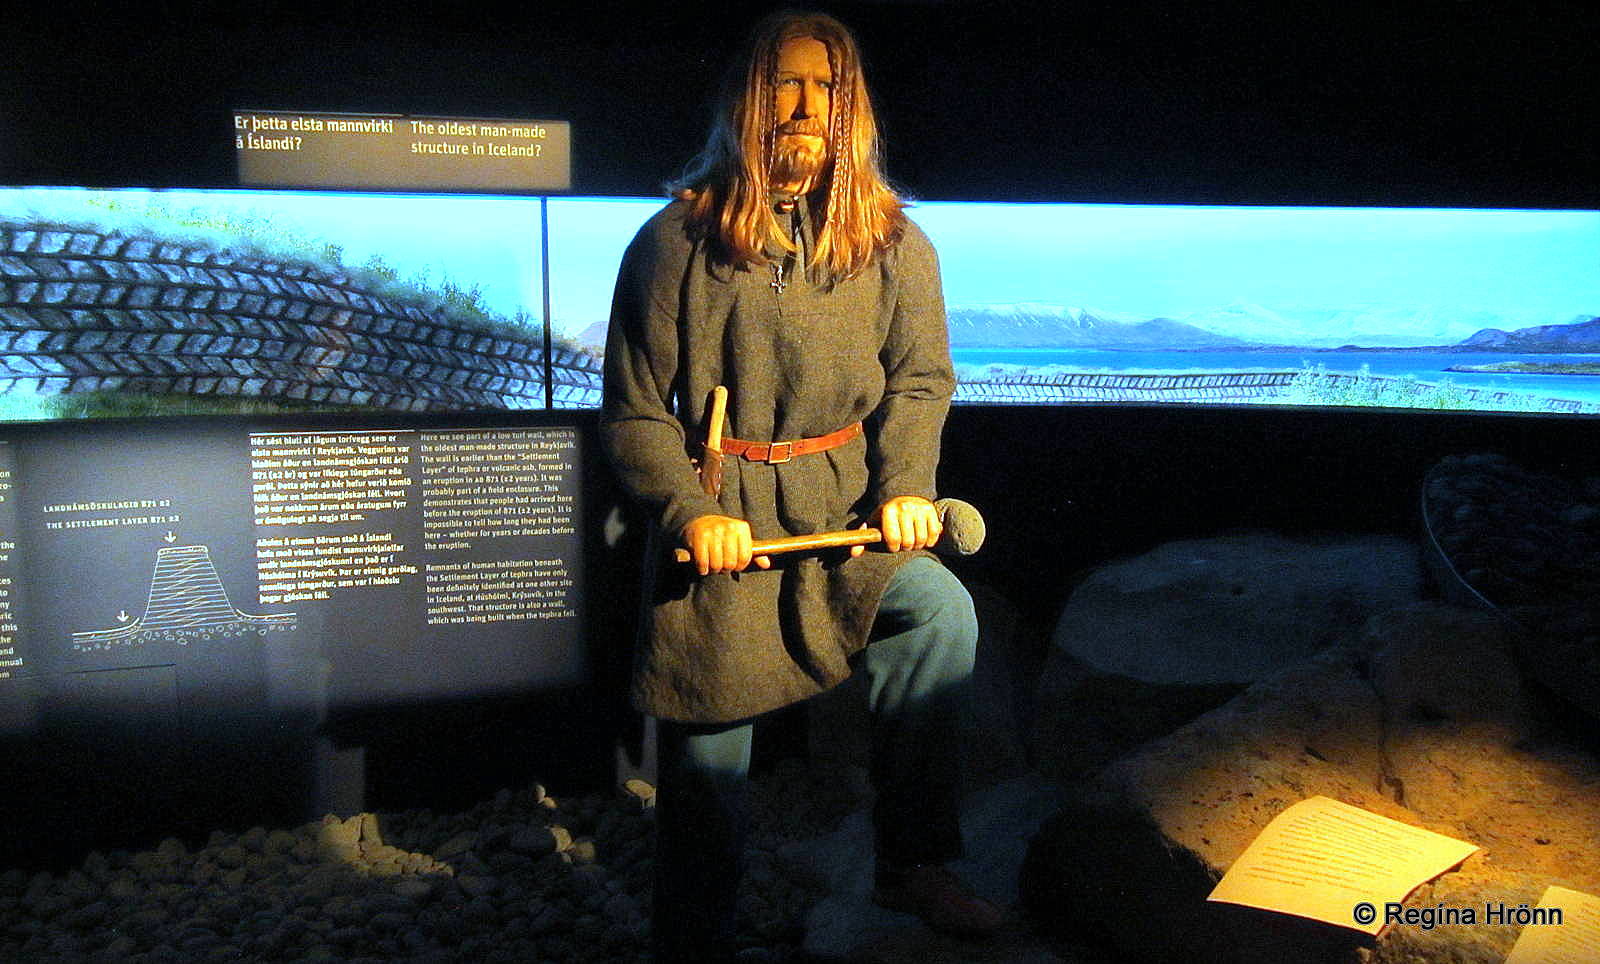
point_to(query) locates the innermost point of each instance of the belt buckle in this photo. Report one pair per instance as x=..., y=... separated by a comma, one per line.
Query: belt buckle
x=773, y=458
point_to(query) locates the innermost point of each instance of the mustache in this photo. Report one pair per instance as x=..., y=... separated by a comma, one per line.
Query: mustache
x=805, y=125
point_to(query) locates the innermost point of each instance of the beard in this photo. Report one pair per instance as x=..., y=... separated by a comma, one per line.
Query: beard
x=797, y=158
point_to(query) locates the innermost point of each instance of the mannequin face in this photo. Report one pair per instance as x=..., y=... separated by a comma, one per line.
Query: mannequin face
x=805, y=82
x=804, y=102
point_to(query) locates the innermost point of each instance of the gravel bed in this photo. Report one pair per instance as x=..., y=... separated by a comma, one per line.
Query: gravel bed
x=524, y=876
x=1519, y=537
x=1528, y=542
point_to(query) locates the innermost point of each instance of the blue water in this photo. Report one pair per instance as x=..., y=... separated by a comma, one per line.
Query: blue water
x=1424, y=366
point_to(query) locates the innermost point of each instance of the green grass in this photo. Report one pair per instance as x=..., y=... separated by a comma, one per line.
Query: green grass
x=1317, y=386
x=1533, y=368
x=257, y=236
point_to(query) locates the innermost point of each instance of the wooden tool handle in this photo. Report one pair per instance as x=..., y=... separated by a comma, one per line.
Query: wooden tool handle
x=710, y=463
x=817, y=540
x=719, y=411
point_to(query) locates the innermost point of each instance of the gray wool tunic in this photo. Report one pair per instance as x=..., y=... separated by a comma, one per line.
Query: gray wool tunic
x=798, y=363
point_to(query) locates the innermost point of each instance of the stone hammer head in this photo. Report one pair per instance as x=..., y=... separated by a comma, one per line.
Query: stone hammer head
x=964, y=528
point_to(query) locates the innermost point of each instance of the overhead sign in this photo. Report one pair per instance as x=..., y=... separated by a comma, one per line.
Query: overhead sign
x=401, y=152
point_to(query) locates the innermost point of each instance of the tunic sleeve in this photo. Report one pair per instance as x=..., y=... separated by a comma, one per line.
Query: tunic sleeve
x=645, y=441
x=919, y=378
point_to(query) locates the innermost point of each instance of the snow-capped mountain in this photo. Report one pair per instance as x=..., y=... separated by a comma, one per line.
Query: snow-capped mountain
x=1582, y=334
x=1401, y=327
x=1029, y=325
x=1243, y=325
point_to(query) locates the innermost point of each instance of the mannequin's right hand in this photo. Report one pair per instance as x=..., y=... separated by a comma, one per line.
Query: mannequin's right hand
x=719, y=543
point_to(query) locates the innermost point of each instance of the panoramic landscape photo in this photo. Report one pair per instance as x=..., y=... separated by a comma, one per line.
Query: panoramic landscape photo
x=152, y=302
x=1413, y=308
x=1492, y=310
x=139, y=302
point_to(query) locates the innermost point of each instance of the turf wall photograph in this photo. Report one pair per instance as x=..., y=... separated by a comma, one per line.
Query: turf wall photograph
x=132, y=302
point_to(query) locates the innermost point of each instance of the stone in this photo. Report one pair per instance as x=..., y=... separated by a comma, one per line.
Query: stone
x=1422, y=718
x=121, y=947
x=457, y=846
x=388, y=922
x=623, y=911
x=1146, y=644
x=583, y=851
x=86, y=917
x=276, y=906
x=414, y=888
x=171, y=849
x=535, y=841
x=492, y=837
x=548, y=919
x=318, y=884
x=339, y=840
x=587, y=880
x=96, y=867
x=79, y=886
x=475, y=886
x=640, y=794
x=50, y=906
x=479, y=911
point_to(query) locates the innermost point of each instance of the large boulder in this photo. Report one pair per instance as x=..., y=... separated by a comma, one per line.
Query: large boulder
x=1148, y=643
x=1423, y=717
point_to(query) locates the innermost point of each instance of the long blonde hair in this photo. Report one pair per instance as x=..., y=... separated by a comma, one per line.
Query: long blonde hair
x=727, y=184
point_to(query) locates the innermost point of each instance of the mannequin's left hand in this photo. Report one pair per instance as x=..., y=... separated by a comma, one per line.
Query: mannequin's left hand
x=908, y=522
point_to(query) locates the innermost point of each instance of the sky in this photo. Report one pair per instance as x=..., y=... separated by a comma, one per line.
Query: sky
x=1174, y=261
x=1179, y=261
x=593, y=233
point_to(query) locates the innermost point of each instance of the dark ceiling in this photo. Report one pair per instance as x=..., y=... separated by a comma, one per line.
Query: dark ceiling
x=1459, y=103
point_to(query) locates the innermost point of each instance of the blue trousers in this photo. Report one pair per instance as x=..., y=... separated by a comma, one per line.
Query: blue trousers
x=918, y=668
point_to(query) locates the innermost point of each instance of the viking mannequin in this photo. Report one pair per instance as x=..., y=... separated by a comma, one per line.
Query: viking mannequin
x=786, y=271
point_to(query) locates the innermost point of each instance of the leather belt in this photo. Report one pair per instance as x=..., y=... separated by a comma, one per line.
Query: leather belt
x=775, y=453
